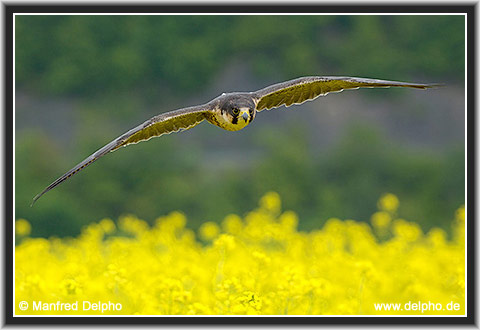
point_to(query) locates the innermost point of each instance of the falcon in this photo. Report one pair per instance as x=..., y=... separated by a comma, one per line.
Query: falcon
x=233, y=111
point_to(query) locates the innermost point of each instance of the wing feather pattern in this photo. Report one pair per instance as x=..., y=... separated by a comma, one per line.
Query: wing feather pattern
x=166, y=123
x=299, y=90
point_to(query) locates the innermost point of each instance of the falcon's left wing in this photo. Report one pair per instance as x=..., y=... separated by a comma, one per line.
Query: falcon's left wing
x=299, y=90
x=164, y=123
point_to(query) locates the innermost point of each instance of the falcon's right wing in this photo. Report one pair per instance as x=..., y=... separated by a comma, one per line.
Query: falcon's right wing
x=165, y=123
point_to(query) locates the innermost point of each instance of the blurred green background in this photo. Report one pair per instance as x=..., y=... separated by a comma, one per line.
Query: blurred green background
x=81, y=81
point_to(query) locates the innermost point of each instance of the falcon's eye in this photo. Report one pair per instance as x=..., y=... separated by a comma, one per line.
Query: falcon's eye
x=235, y=111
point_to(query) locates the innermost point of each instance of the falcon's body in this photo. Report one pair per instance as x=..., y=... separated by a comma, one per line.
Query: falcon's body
x=233, y=111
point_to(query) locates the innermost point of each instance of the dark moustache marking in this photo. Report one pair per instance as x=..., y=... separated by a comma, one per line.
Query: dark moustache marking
x=235, y=119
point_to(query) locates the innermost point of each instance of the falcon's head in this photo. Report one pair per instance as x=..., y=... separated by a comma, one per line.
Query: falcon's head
x=236, y=112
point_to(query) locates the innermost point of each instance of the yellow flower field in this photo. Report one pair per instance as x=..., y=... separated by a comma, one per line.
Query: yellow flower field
x=259, y=264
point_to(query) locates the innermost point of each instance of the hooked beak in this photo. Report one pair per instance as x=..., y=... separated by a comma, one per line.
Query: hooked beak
x=245, y=115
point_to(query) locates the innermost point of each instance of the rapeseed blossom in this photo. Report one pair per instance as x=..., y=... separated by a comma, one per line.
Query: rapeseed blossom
x=260, y=264
x=22, y=227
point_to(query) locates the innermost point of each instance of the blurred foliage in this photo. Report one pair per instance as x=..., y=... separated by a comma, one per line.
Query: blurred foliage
x=99, y=54
x=115, y=65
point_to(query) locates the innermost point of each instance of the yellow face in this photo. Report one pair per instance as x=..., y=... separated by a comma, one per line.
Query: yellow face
x=235, y=119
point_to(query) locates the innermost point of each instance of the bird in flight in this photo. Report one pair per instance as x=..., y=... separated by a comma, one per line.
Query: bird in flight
x=233, y=111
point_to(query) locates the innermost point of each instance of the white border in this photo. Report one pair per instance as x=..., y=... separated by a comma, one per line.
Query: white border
x=242, y=14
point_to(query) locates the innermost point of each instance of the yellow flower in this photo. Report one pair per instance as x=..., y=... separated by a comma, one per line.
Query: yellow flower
x=226, y=241
x=22, y=227
x=271, y=202
x=209, y=230
x=232, y=224
x=409, y=231
x=437, y=237
x=289, y=220
x=388, y=202
x=261, y=257
x=261, y=264
x=460, y=215
x=177, y=220
x=107, y=225
x=131, y=224
x=380, y=219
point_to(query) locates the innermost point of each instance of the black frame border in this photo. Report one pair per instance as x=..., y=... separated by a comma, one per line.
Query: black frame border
x=471, y=103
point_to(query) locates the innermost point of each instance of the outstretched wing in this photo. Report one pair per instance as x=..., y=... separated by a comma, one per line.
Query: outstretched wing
x=303, y=89
x=165, y=123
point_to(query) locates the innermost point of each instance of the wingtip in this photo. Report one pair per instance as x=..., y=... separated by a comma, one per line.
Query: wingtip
x=33, y=201
x=435, y=85
x=425, y=86
x=36, y=198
